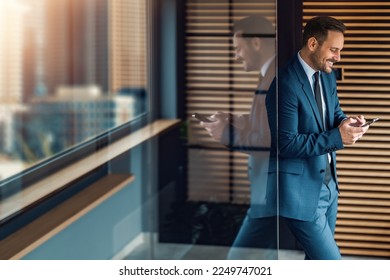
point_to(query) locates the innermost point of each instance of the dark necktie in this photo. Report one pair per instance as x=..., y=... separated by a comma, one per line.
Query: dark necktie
x=317, y=94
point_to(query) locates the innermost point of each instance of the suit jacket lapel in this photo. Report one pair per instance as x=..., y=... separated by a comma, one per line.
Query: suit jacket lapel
x=306, y=88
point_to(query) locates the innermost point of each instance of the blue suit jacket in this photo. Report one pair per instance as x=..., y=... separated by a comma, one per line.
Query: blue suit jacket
x=300, y=145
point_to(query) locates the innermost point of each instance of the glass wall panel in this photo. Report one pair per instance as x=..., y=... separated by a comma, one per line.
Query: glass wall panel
x=230, y=54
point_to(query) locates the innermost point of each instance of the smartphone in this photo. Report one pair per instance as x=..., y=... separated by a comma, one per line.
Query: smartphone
x=370, y=122
x=202, y=118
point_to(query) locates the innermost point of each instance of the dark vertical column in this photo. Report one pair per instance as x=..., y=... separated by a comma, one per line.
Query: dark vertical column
x=170, y=22
x=289, y=36
x=289, y=28
x=181, y=58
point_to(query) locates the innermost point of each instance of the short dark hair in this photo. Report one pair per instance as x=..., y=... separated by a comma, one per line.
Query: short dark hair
x=254, y=26
x=318, y=28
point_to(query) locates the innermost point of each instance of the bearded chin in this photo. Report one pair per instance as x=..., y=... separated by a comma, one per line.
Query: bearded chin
x=315, y=61
x=328, y=69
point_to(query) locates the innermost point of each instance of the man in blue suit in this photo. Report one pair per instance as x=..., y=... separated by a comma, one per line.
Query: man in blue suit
x=307, y=127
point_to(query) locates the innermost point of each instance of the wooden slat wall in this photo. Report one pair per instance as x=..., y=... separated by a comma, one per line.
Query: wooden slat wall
x=363, y=225
x=215, y=82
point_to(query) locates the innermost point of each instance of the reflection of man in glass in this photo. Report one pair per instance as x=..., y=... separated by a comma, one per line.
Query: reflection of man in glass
x=254, y=44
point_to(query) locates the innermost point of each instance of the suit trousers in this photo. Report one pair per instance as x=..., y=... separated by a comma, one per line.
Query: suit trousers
x=257, y=239
x=317, y=235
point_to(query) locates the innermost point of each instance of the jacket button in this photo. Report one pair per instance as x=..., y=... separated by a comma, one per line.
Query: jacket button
x=322, y=170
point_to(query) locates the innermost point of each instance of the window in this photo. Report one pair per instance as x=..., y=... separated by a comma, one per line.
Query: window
x=73, y=74
x=61, y=62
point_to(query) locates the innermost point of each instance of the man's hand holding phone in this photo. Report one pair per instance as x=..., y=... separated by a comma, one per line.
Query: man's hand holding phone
x=367, y=123
x=214, y=124
x=353, y=128
x=203, y=118
x=359, y=121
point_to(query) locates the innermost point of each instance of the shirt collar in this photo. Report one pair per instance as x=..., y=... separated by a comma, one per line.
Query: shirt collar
x=308, y=70
x=266, y=65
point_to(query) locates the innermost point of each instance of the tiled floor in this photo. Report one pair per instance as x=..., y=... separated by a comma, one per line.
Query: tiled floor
x=168, y=251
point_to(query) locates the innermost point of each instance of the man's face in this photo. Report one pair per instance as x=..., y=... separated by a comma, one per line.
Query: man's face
x=328, y=53
x=247, y=52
